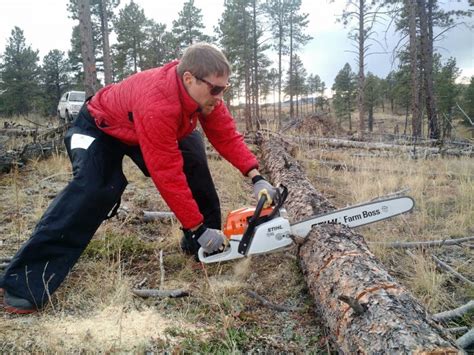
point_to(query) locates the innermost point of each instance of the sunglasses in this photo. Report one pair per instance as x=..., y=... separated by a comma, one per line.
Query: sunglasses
x=214, y=90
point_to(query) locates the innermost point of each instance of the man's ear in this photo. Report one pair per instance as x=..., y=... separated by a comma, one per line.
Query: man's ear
x=187, y=78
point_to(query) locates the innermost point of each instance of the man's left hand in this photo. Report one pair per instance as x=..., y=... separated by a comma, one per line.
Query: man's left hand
x=263, y=187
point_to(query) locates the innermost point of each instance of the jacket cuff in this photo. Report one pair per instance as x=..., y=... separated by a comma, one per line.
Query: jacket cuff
x=257, y=178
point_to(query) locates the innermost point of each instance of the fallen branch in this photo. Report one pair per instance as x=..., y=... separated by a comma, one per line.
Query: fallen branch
x=162, y=270
x=466, y=340
x=454, y=313
x=269, y=304
x=370, y=146
x=431, y=243
x=160, y=293
x=448, y=268
x=456, y=330
x=151, y=216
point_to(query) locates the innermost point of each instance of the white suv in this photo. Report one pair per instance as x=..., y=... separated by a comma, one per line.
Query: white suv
x=70, y=104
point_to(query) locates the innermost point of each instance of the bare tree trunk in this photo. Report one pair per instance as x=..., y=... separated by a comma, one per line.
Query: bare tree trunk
x=427, y=63
x=280, y=73
x=104, y=23
x=365, y=309
x=87, y=49
x=415, y=86
x=371, y=118
x=292, y=107
x=255, y=64
x=361, y=80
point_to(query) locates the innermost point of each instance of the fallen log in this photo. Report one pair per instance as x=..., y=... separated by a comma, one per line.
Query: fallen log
x=424, y=244
x=339, y=269
x=413, y=150
x=30, y=151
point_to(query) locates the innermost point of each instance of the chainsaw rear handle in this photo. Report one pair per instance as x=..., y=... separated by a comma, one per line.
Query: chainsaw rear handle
x=247, y=237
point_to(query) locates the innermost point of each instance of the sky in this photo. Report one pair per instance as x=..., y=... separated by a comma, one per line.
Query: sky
x=46, y=26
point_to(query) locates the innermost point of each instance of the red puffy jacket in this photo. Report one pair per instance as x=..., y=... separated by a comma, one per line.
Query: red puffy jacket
x=153, y=109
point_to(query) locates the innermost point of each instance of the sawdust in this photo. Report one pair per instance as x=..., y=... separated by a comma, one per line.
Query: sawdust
x=242, y=268
x=112, y=328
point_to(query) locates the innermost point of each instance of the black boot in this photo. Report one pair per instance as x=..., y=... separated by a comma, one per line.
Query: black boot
x=17, y=305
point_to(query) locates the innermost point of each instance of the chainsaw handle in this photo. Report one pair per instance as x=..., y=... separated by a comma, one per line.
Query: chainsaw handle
x=248, y=234
x=258, y=209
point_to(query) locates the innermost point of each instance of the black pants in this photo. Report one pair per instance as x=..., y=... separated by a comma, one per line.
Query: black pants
x=69, y=223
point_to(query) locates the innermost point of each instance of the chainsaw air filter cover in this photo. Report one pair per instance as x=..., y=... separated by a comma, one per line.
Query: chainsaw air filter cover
x=237, y=220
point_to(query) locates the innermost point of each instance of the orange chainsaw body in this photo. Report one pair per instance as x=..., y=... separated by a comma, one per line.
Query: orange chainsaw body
x=238, y=220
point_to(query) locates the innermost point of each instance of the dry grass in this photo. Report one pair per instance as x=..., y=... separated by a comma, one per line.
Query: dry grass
x=95, y=311
x=443, y=191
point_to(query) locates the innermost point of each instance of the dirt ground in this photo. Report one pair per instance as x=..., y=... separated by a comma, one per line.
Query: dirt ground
x=96, y=311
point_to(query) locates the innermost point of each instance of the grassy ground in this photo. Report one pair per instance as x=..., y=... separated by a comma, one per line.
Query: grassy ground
x=95, y=310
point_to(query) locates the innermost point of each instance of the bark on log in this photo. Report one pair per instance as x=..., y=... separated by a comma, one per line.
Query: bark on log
x=337, y=262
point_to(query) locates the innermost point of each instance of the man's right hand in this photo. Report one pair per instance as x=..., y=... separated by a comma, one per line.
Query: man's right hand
x=210, y=240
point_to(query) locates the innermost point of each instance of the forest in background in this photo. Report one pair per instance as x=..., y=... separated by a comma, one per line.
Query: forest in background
x=423, y=88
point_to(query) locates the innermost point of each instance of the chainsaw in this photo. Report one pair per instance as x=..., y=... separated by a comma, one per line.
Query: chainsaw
x=260, y=230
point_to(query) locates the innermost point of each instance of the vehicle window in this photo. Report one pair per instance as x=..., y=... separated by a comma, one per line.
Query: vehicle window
x=77, y=96
x=63, y=98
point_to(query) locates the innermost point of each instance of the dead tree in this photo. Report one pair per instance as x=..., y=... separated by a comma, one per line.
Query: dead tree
x=87, y=49
x=365, y=309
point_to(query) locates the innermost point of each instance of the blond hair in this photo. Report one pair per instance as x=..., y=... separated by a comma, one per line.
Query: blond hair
x=203, y=59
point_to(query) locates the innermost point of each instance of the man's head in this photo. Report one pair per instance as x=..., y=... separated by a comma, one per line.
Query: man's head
x=205, y=73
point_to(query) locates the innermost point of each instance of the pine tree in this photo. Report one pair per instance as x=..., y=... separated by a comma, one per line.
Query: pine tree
x=372, y=97
x=446, y=92
x=296, y=81
x=55, y=79
x=287, y=25
x=314, y=86
x=101, y=13
x=130, y=27
x=468, y=104
x=156, y=47
x=234, y=31
x=402, y=91
x=75, y=60
x=366, y=14
x=344, y=88
x=188, y=28
x=20, y=75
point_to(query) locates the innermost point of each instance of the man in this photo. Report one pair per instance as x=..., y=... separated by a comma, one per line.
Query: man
x=151, y=117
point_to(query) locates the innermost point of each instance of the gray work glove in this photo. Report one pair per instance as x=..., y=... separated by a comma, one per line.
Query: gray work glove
x=210, y=240
x=262, y=186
